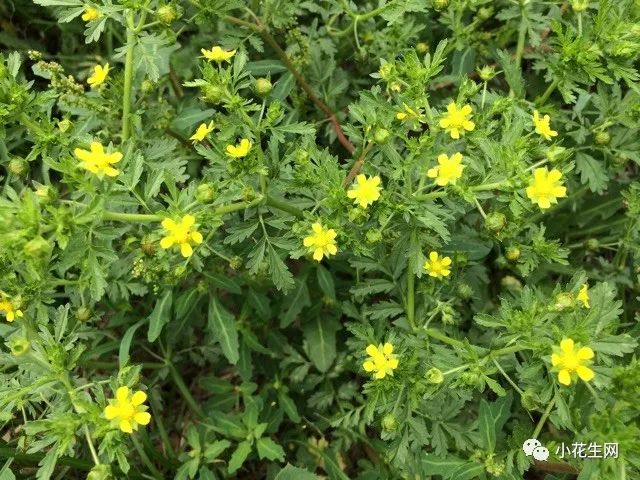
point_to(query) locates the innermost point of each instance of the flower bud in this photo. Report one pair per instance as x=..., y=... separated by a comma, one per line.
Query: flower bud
x=263, y=86
x=373, y=236
x=148, y=246
x=213, y=94
x=485, y=13
x=19, y=346
x=18, y=166
x=64, y=125
x=564, y=301
x=249, y=194
x=592, y=244
x=603, y=138
x=101, y=471
x=36, y=247
x=83, y=313
x=389, y=423
x=529, y=400
x=302, y=157
x=465, y=291
x=168, y=14
x=179, y=271
x=434, y=375
x=495, y=222
x=147, y=86
x=357, y=215
x=555, y=153
x=235, y=263
x=381, y=136
x=440, y=4
x=206, y=193
x=513, y=253
x=487, y=72
x=579, y=5
x=422, y=47
x=510, y=282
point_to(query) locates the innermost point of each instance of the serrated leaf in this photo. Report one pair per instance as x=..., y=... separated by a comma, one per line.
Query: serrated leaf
x=239, y=456
x=294, y=473
x=269, y=449
x=320, y=341
x=160, y=316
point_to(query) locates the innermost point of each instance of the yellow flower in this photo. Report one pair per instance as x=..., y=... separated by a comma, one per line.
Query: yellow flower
x=381, y=361
x=456, y=121
x=201, y=132
x=240, y=150
x=9, y=309
x=546, y=187
x=99, y=75
x=437, y=266
x=448, y=169
x=542, y=126
x=321, y=242
x=97, y=161
x=568, y=360
x=217, y=54
x=181, y=234
x=128, y=410
x=90, y=13
x=366, y=191
x=583, y=296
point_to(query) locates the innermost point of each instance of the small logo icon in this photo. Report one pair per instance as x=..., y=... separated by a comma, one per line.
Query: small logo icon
x=533, y=447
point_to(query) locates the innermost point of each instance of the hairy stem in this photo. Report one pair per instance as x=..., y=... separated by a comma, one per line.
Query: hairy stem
x=128, y=78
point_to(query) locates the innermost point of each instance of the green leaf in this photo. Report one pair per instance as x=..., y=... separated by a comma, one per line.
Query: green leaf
x=591, y=172
x=222, y=326
x=491, y=420
x=294, y=473
x=239, y=456
x=320, y=341
x=294, y=302
x=512, y=72
x=160, y=316
x=289, y=406
x=269, y=449
x=325, y=281
x=280, y=274
x=213, y=450
x=260, y=68
x=125, y=343
x=283, y=86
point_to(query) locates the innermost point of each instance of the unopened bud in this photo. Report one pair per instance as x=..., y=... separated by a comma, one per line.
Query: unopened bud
x=381, y=136
x=434, y=375
x=512, y=253
x=263, y=86
x=495, y=222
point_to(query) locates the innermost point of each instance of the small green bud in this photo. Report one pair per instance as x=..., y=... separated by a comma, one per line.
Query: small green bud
x=513, y=253
x=45, y=193
x=603, y=138
x=555, y=153
x=373, y=236
x=579, y=5
x=168, y=14
x=530, y=400
x=422, y=47
x=495, y=222
x=147, y=86
x=592, y=244
x=202, y=286
x=511, y=283
x=179, y=271
x=148, y=246
x=487, y=72
x=389, y=423
x=357, y=215
x=440, y=4
x=564, y=301
x=18, y=166
x=465, y=291
x=235, y=263
x=302, y=157
x=213, y=94
x=64, y=125
x=263, y=86
x=36, y=247
x=381, y=136
x=206, y=193
x=493, y=466
x=19, y=346
x=368, y=36
x=249, y=194
x=485, y=13
x=100, y=472
x=83, y=313
x=434, y=375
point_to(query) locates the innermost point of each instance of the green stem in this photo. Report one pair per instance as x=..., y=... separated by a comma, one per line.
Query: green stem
x=157, y=415
x=94, y=455
x=438, y=335
x=507, y=350
x=145, y=458
x=184, y=390
x=130, y=217
x=506, y=376
x=411, y=309
x=31, y=125
x=284, y=206
x=488, y=186
x=543, y=418
x=522, y=35
x=430, y=195
x=547, y=93
x=128, y=77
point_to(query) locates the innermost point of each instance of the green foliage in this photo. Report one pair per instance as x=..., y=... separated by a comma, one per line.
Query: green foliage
x=241, y=140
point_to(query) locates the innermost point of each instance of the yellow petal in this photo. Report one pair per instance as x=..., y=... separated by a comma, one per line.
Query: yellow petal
x=168, y=224
x=380, y=374
x=318, y=254
x=564, y=377
x=372, y=350
x=196, y=237
x=567, y=345
x=585, y=353
x=110, y=412
x=433, y=256
x=125, y=426
x=585, y=373
x=387, y=349
x=122, y=394
x=142, y=418
x=555, y=359
x=138, y=398
x=188, y=221
x=186, y=250
x=368, y=366
x=166, y=242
